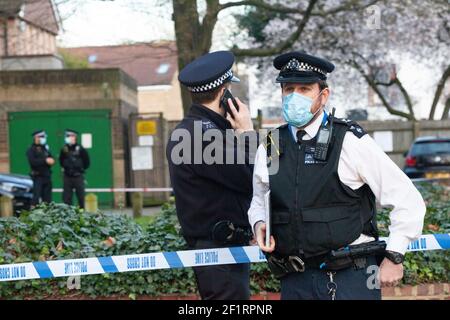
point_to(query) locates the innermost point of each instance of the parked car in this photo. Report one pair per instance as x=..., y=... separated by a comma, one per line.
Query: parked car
x=18, y=187
x=428, y=157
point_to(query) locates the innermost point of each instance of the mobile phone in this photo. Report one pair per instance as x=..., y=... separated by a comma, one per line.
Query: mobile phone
x=224, y=102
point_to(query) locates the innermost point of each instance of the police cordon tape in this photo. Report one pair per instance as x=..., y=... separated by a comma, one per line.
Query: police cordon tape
x=166, y=260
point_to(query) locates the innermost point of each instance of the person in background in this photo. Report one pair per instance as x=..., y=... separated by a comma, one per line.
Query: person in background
x=40, y=160
x=74, y=161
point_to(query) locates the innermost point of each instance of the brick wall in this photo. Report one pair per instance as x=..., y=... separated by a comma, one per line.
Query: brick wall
x=432, y=291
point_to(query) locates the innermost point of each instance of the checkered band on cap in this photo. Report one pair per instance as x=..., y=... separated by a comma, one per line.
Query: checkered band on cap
x=295, y=65
x=212, y=85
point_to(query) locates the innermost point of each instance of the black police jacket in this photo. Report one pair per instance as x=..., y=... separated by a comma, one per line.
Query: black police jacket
x=37, y=158
x=74, y=159
x=208, y=193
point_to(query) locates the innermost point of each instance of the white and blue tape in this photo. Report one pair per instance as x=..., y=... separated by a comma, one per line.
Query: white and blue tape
x=165, y=260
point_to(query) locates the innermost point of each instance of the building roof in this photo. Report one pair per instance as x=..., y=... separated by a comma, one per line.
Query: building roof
x=148, y=63
x=41, y=13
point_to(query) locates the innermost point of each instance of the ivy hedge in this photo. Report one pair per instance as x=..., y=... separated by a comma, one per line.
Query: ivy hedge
x=58, y=231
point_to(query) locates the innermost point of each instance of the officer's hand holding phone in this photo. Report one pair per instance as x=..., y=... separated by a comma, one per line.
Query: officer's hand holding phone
x=240, y=120
x=260, y=230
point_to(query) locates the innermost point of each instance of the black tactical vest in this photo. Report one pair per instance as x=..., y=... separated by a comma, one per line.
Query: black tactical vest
x=313, y=212
x=73, y=164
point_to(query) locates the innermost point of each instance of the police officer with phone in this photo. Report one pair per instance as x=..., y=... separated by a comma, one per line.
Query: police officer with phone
x=212, y=196
x=330, y=172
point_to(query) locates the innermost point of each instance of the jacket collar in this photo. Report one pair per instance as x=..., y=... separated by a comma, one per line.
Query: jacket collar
x=198, y=110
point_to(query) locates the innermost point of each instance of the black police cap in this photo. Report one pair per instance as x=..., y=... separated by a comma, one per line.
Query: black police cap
x=70, y=131
x=208, y=72
x=38, y=132
x=300, y=67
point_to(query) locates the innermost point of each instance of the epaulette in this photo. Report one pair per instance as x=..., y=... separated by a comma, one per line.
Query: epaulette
x=353, y=126
x=207, y=124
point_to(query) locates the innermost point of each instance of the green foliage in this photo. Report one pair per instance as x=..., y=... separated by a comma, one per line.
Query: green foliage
x=58, y=231
x=73, y=62
x=427, y=266
x=255, y=20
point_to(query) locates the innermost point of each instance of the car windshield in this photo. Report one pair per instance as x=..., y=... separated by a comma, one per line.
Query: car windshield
x=431, y=147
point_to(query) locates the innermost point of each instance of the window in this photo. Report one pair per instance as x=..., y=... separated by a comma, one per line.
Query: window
x=163, y=68
x=431, y=147
x=92, y=58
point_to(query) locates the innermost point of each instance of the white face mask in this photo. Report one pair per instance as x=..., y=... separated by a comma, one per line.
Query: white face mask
x=42, y=140
x=70, y=140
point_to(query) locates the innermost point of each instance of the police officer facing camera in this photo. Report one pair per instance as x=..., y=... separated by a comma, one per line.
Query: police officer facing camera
x=212, y=197
x=40, y=160
x=323, y=219
x=74, y=160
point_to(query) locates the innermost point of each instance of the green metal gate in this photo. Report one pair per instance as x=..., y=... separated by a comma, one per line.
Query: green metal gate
x=94, y=124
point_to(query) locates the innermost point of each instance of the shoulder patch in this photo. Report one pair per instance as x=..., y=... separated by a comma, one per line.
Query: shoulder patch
x=207, y=124
x=356, y=129
x=352, y=126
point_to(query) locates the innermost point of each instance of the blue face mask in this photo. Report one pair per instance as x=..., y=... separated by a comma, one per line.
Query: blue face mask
x=297, y=109
x=42, y=140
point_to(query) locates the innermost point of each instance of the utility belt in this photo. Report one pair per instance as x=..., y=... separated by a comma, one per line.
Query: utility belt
x=225, y=233
x=343, y=258
x=37, y=174
x=73, y=173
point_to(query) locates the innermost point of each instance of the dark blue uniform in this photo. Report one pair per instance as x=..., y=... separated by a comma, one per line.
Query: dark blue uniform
x=40, y=173
x=74, y=159
x=208, y=193
x=212, y=195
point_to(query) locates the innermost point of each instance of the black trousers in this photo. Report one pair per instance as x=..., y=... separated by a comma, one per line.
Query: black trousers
x=222, y=282
x=70, y=184
x=352, y=284
x=42, y=189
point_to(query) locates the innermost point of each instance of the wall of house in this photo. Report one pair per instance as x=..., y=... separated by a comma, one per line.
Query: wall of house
x=26, y=39
x=43, y=62
x=165, y=99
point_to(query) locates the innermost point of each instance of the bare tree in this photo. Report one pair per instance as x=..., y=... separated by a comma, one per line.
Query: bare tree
x=194, y=37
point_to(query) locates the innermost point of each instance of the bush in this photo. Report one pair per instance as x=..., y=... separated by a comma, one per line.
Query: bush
x=57, y=231
x=427, y=266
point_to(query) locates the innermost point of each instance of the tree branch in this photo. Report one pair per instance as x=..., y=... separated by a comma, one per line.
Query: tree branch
x=262, y=52
x=384, y=84
x=445, y=114
x=405, y=96
x=209, y=21
x=283, y=9
x=374, y=87
x=438, y=92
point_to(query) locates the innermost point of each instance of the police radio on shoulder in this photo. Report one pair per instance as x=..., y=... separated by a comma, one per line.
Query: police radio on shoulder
x=323, y=140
